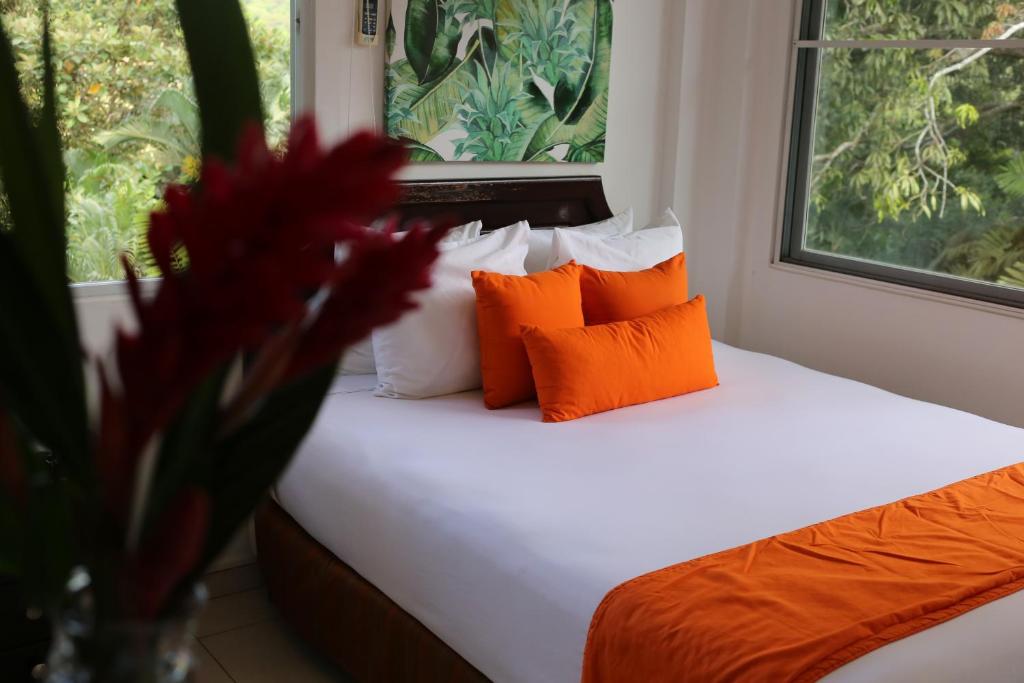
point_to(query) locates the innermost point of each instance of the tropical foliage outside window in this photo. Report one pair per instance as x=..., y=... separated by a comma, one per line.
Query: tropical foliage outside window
x=129, y=120
x=914, y=154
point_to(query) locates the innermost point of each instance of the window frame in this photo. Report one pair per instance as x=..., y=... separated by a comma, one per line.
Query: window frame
x=808, y=49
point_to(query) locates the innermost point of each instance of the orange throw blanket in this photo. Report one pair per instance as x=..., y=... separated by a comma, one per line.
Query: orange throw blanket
x=797, y=606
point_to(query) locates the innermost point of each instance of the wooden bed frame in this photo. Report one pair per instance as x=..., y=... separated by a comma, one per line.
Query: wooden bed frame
x=328, y=604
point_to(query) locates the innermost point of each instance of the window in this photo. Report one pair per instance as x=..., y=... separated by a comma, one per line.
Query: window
x=129, y=121
x=907, y=157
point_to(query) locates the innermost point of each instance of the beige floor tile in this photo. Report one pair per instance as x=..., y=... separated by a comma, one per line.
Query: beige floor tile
x=234, y=611
x=235, y=580
x=268, y=653
x=207, y=668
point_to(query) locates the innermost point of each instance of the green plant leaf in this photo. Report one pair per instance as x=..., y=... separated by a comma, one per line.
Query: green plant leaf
x=389, y=38
x=1011, y=178
x=597, y=77
x=488, y=53
x=224, y=72
x=184, y=110
x=184, y=454
x=507, y=14
x=420, y=152
x=37, y=373
x=430, y=40
x=549, y=134
x=40, y=357
x=239, y=481
x=594, y=122
x=51, y=544
x=432, y=106
x=31, y=173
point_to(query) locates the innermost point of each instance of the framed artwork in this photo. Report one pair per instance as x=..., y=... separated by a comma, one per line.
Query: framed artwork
x=499, y=80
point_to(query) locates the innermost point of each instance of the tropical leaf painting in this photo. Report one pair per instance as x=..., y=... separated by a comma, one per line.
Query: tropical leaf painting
x=499, y=80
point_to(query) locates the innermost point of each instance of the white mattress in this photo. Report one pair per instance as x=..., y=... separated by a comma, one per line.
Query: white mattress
x=502, y=534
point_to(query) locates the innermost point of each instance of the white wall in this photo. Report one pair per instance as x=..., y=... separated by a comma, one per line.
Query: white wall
x=731, y=156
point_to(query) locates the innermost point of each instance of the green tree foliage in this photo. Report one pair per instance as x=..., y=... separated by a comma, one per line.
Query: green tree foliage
x=128, y=116
x=917, y=152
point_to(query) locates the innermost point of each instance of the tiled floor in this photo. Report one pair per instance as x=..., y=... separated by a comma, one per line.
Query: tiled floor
x=242, y=640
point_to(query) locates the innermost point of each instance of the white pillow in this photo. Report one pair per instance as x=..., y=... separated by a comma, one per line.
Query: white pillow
x=636, y=251
x=539, y=256
x=666, y=219
x=358, y=359
x=434, y=350
x=461, y=233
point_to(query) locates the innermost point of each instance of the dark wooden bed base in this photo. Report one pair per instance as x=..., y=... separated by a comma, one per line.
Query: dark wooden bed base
x=343, y=616
x=328, y=604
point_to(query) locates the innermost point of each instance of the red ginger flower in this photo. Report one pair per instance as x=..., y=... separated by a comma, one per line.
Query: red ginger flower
x=258, y=239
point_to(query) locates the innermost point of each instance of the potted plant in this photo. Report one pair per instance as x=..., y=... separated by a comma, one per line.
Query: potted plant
x=122, y=478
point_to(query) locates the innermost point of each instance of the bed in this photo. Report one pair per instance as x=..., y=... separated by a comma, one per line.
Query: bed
x=479, y=548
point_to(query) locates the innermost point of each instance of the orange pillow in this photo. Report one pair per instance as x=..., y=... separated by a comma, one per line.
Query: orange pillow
x=591, y=369
x=610, y=296
x=504, y=303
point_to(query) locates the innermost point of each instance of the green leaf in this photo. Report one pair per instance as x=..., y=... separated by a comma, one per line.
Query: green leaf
x=1011, y=178
x=507, y=14
x=389, y=38
x=240, y=481
x=430, y=40
x=421, y=152
x=157, y=134
x=548, y=134
x=31, y=173
x=45, y=542
x=37, y=373
x=224, y=72
x=591, y=129
x=40, y=357
x=966, y=115
x=184, y=455
x=589, y=153
x=185, y=111
x=421, y=20
x=488, y=53
x=597, y=78
x=51, y=541
x=433, y=105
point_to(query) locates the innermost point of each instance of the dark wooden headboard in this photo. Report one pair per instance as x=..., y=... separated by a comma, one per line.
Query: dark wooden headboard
x=545, y=202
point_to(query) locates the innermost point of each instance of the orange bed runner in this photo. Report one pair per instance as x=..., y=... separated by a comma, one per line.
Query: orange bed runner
x=797, y=606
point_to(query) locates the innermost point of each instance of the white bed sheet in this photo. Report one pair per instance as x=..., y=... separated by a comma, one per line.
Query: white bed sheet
x=502, y=534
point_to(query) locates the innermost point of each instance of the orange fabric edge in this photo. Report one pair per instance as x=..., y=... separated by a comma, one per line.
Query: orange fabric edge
x=908, y=628
x=844, y=656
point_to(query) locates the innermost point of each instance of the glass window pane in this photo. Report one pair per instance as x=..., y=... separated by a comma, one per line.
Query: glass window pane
x=921, y=19
x=128, y=115
x=918, y=161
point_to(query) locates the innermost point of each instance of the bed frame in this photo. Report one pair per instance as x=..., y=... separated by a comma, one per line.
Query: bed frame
x=329, y=605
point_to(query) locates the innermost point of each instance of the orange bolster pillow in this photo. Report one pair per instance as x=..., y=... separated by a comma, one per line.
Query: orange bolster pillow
x=504, y=303
x=610, y=296
x=586, y=370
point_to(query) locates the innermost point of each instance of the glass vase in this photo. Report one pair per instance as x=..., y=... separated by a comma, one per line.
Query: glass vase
x=88, y=650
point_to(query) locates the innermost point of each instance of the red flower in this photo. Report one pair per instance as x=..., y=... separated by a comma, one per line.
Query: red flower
x=240, y=256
